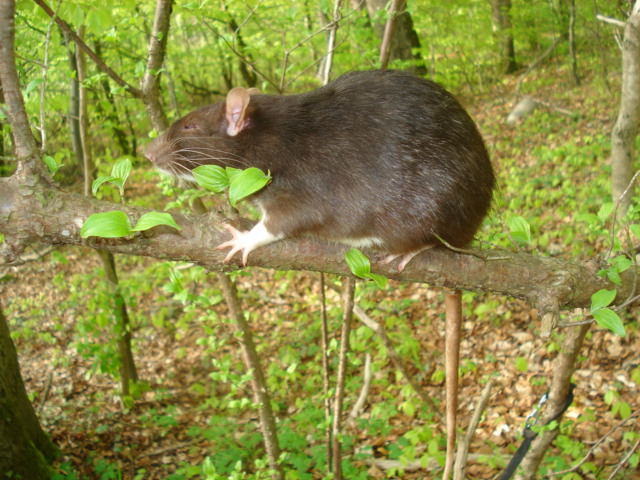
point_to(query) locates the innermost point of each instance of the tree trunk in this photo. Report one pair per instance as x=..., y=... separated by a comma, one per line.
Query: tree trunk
x=503, y=30
x=572, y=41
x=25, y=450
x=625, y=129
x=405, y=39
x=122, y=327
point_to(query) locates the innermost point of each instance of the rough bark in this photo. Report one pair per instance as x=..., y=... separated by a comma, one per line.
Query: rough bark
x=24, y=447
x=25, y=450
x=625, y=129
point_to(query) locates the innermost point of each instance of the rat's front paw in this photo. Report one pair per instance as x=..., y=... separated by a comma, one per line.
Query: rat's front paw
x=247, y=241
x=240, y=241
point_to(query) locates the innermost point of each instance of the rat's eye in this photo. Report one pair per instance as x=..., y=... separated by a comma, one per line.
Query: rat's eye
x=189, y=125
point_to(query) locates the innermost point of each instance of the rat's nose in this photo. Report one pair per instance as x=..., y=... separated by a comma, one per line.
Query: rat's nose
x=150, y=153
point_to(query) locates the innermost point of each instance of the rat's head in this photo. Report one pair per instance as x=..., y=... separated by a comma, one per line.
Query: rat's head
x=207, y=136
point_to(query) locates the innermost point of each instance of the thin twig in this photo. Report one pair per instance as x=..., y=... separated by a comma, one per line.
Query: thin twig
x=594, y=447
x=325, y=365
x=331, y=43
x=43, y=85
x=611, y=21
x=624, y=461
x=347, y=318
x=463, y=447
x=535, y=64
x=47, y=389
x=364, y=391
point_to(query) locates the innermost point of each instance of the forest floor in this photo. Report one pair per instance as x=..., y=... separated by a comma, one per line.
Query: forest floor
x=101, y=439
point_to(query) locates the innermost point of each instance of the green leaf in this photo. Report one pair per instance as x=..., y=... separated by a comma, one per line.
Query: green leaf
x=522, y=364
x=211, y=177
x=153, y=219
x=246, y=183
x=233, y=172
x=614, y=276
x=602, y=298
x=624, y=410
x=52, y=164
x=112, y=224
x=380, y=280
x=635, y=230
x=607, y=318
x=360, y=266
x=98, y=182
x=520, y=230
x=358, y=263
x=605, y=211
x=611, y=396
x=32, y=85
x=121, y=169
x=621, y=263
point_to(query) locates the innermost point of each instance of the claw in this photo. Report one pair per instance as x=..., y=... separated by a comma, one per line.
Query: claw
x=406, y=258
x=236, y=244
x=246, y=241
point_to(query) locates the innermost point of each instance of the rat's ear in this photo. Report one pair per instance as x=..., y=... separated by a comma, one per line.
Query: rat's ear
x=236, y=109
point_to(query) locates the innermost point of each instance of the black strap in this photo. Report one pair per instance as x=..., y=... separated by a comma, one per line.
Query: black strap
x=530, y=435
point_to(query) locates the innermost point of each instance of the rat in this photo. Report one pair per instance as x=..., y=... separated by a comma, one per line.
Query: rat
x=380, y=159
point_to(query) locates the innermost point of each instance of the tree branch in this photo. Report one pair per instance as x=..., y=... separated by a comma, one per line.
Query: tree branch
x=90, y=53
x=155, y=59
x=32, y=211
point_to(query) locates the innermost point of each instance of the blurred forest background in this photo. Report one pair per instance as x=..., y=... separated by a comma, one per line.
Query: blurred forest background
x=181, y=406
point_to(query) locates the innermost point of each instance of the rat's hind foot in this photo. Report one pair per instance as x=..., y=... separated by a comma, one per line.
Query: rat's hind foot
x=406, y=258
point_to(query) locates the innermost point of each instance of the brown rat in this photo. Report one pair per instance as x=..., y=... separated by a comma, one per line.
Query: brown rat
x=378, y=158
